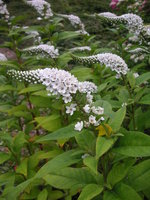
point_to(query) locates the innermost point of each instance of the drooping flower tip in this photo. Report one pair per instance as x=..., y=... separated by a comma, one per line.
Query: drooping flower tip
x=42, y=7
x=43, y=50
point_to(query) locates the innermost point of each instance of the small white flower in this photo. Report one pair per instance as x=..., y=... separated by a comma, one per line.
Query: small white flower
x=89, y=98
x=135, y=75
x=78, y=126
x=92, y=119
x=97, y=110
x=86, y=124
x=87, y=108
x=102, y=118
x=70, y=109
x=124, y=104
x=85, y=155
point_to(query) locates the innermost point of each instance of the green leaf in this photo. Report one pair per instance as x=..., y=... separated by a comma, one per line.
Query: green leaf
x=139, y=176
x=119, y=171
x=4, y=157
x=32, y=88
x=126, y=192
x=145, y=100
x=90, y=191
x=67, y=35
x=43, y=195
x=142, y=78
x=110, y=195
x=50, y=123
x=22, y=168
x=59, y=162
x=117, y=119
x=62, y=133
x=83, y=73
x=5, y=88
x=91, y=162
x=69, y=178
x=133, y=144
x=131, y=79
x=103, y=144
x=86, y=140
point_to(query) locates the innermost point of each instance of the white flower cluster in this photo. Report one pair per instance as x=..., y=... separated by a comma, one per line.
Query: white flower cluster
x=76, y=22
x=84, y=48
x=35, y=35
x=2, y=57
x=94, y=117
x=133, y=22
x=42, y=7
x=3, y=11
x=57, y=82
x=44, y=50
x=113, y=61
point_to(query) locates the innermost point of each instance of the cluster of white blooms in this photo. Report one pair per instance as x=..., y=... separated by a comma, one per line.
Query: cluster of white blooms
x=113, y=61
x=147, y=30
x=43, y=50
x=42, y=7
x=76, y=22
x=57, y=82
x=35, y=35
x=133, y=22
x=84, y=48
x=3, y=11
x=2, y=57
x=136, y=57
x=94, y=117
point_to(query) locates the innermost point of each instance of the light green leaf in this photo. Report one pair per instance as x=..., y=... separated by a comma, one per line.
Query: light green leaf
x=119, y=171
x=86, y=140
x=133, y=144
x=142, y=78
x=126, y=192
x=4, y=157
x=69, y=178
x=139, y=176
x=90, y=191
x=6, y=88
x=50, y=123
x=117, y=119
x=110, y=195
x=103, y=144
x=145, y=100
x=91, y=162
x=22, y=168
x=62, y=133
x=31, y=88
x=43, y=195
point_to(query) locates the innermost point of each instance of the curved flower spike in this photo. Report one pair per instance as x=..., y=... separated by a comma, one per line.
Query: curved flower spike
x=132, y=21
x=41, y=6
x=57, y=82
x=76, y=22
x=114, y=62
x=43, y=50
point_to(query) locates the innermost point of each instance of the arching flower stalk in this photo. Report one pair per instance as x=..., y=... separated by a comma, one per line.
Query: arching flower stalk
x=66, y=86
x=133, y=22
x=84, y=48
x=42, y=7
x=3, y=11
x=2, y=57
x=76, y=22
x=43, y=50
x=114, y=62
